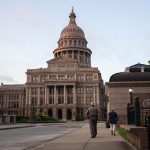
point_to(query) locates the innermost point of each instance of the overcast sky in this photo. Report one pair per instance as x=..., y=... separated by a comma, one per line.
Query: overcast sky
x=117, y=31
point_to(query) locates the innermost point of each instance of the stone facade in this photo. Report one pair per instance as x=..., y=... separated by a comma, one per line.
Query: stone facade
x=117, y=90
x=12, y=99
x=68, y=85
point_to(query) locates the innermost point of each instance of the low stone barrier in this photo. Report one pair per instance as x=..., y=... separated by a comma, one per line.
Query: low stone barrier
x=137, y=136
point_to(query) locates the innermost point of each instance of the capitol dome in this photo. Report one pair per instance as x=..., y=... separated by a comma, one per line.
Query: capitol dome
x=72, y=30
x=72, y=43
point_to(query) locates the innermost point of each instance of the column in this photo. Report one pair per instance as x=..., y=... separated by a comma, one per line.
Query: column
x=55, y=95
x=94, y=95
x=38, y=97
x=89, y=60
x=84, y=90
x=46, y=95
x=65, y=97
x=72, y=54
x=79, y=56
x=74, y=95
x=84, y=57
x=98, y=95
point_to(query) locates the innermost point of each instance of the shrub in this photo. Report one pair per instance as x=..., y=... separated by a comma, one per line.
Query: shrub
x=22, y=119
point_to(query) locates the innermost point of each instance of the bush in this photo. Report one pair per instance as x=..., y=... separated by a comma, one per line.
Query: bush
x=22, y=119
x=79, y=118
x=45, y=118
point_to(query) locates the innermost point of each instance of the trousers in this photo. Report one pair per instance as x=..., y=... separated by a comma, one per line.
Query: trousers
x=93, y=126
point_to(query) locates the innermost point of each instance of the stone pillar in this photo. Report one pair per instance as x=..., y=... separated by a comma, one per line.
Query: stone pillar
x=29, y=101
x=46, y=95
x=72, y=54
x=98, y=96
x=74, y=95
x=38, y=97
x=55, y=95
x=89, y=60
x=64, y=114
x=94, y=96
x=84, y=57
x=29, y=96
x=65, y=97
x=79, y=56
x=84, y=97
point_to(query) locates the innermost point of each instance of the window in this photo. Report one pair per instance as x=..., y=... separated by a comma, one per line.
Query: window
x=52, y=77
x=42, y=101
x=80, y=100
x=60, y=100
x=95, y=76
x=1, y=96
x=89, y=77
x=89, y=100
x=33, y=91
x=34, y=101
x=60, y=90
x=61, y=77
x=43, y=78
x=42, y=90
x=34, y=79
x=13, y=104
x=70, y=77
x=51, y=90
x=1, y=104
x=51, y=100
x=89, y=90
x=69, y=100
x=80, y=90
x=80, y=77
x=69, y=90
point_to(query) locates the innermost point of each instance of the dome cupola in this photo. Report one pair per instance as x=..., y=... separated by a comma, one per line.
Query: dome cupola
x=72, y=30
x=72, y=42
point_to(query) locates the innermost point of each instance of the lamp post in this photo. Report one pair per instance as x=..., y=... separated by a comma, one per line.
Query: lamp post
x=32, y=112
x=56, y=112
x=130, y=91
x=130, y=109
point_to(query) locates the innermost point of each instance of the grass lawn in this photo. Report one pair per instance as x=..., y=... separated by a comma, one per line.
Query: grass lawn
x=122, y=132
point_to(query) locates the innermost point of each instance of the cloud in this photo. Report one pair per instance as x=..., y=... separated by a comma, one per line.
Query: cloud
x=5, y=78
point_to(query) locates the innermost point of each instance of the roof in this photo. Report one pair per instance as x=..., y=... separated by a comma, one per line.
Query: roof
x=130, y=76
x=139, y=65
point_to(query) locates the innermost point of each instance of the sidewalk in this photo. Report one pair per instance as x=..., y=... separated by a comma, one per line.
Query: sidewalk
x=17, y=125
x=80, y=139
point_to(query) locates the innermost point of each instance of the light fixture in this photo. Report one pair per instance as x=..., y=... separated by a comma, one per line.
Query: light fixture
x=130, y=90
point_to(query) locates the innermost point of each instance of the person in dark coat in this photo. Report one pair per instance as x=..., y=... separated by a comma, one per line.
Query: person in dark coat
x=92, y=114
x=112, y=119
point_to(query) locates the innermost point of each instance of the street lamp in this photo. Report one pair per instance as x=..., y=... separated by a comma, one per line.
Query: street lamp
x=32, y=112
x=131, y=91
x=130, y=109
x=56, y=112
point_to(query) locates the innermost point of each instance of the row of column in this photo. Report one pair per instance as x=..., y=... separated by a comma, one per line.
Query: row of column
x=95, y=95
x=85, y=56
x=56, y=94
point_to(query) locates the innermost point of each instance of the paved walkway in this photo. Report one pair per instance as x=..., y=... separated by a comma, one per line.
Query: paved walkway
x=80, y=139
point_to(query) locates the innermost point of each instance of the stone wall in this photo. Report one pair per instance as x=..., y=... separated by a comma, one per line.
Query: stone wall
x=138, y=137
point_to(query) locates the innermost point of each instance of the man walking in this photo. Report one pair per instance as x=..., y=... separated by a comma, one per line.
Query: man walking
x=92, y=114
x=112, y=119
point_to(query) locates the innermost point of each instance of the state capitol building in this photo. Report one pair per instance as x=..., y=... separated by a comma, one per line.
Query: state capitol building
x=63, y=90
